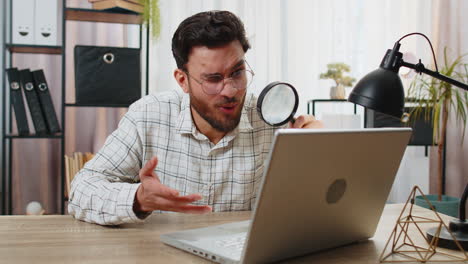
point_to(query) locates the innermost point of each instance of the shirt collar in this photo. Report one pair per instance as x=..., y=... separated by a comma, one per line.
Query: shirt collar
x=185, y=124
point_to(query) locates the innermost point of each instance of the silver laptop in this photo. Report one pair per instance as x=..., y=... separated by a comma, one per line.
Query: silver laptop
x=321, y=189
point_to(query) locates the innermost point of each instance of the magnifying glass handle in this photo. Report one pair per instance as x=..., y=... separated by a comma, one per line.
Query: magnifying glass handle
x=292, y=121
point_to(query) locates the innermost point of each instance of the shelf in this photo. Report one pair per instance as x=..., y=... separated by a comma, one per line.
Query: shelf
x=20, y=48
x=327, y=100
x=107, y=16
x=98, y=105
x=33, y=136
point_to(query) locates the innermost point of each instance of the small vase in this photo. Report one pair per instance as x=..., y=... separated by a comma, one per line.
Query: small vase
x=338, y=92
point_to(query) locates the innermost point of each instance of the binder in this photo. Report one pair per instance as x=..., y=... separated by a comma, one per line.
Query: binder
x=27, y=84
x=17, y=102
x=45, y=100
x=23, y=21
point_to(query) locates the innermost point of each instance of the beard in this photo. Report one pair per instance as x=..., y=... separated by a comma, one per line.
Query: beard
x=218, y=120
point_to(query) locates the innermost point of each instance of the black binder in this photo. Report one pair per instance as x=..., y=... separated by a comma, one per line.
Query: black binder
x=27, y=84
x=16, y=100
x=46, y=101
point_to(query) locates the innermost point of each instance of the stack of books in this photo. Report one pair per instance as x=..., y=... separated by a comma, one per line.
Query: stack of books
x=130, y=5
x=73, y=164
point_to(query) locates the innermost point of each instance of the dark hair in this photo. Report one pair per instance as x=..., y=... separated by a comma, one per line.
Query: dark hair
x=211, y=29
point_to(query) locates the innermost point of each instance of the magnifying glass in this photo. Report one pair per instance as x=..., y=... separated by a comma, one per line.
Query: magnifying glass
x=278, y=103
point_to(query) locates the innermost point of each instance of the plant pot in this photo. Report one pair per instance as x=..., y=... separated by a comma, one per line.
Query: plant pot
x=338, y=92
x=448, y=205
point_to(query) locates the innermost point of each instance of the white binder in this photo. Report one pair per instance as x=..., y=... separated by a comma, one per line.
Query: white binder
x=23, y=22
x=47, y=22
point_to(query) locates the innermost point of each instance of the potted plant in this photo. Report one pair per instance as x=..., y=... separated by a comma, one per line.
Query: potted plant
x=441, y=98
x=152, y=16
x=335, y=71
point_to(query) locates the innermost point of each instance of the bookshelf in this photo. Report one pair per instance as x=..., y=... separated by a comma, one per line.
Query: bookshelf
x=113, y=16
x=33, y=49
x=68, y=14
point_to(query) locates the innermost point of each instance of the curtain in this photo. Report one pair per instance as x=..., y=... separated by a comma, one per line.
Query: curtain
x=450, y=31
x=294, y=40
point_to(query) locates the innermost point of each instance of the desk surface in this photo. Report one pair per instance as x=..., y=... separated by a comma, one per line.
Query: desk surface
x=62, y=239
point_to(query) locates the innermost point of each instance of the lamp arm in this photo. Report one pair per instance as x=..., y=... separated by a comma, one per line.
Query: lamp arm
x=419, y=68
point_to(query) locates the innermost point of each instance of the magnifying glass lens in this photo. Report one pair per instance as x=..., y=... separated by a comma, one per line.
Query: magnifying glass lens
x=278, y=103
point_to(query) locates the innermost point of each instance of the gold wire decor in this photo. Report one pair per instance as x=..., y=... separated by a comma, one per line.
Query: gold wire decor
x=410, y=244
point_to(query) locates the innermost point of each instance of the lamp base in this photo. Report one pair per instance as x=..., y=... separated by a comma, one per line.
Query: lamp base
x=459, y=230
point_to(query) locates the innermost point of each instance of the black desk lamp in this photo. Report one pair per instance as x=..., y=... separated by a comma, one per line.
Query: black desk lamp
x=382, y=91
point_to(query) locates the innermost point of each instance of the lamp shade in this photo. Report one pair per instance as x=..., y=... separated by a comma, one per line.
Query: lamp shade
x=380, y=90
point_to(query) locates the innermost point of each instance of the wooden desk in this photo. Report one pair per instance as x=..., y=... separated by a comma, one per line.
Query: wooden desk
x=62, y=239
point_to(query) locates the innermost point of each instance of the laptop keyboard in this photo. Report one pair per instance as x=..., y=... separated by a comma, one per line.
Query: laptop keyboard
x=235, y=242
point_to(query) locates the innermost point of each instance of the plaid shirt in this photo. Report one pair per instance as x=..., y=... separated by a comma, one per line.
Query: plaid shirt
x=227, y=175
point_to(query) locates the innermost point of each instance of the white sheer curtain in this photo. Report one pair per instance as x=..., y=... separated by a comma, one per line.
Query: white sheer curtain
x=294, y=41
x=450, y=31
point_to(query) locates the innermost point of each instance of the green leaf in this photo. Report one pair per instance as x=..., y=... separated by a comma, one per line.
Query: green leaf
x=152, y=17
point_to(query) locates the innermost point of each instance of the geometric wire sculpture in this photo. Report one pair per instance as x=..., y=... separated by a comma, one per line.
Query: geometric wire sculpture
x=406, y=248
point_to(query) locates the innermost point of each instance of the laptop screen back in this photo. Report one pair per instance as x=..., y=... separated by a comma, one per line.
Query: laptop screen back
x=322, y=189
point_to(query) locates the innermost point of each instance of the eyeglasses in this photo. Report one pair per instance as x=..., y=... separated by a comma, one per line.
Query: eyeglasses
x=214, y=84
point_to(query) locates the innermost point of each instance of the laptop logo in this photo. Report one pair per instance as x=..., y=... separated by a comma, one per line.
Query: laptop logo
x=336, y=191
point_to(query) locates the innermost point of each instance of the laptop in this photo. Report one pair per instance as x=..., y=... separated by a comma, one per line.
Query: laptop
x=321, y=189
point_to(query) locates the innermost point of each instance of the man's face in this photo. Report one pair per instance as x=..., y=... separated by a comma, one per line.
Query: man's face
x=221, y=111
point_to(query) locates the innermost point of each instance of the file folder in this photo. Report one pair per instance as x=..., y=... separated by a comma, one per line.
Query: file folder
x=46, y=24
x=45, y=99
x=23, y=21
x=17, y=102
x=27, y=84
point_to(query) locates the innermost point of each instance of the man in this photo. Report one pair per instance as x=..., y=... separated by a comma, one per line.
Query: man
x=194, y=152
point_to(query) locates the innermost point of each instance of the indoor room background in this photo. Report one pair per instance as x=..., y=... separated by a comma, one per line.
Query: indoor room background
x=291, y=41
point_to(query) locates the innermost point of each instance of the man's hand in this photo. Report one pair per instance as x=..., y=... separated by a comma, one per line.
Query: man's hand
x=152, y=195
x=306, y=121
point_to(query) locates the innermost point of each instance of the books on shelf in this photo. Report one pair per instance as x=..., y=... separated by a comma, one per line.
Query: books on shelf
x=131, y=5
x=73, y=164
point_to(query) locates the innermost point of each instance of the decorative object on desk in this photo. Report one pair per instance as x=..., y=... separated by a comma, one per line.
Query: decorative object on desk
x=277, y=103
x=134, y=6
x=336, y=73
x=382, y=91
x=405, y=248
x=34, y=208
x=107, y=75
x=442, y=98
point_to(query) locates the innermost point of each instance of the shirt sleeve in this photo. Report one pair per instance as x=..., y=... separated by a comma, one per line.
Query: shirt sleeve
x=103, y=192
